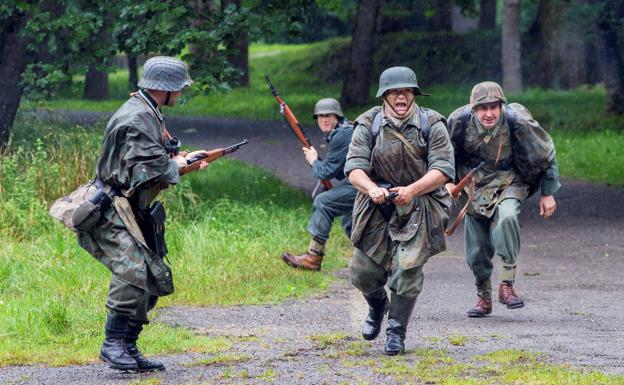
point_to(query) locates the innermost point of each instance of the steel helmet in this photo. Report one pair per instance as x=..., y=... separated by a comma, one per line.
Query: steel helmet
x=486, y=92
x=398, y=77
x=165, y=73
x=327, y=106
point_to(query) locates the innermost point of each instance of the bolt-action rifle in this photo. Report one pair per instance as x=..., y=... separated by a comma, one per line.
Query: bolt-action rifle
x=455, y=191
x=459, y=187
x=211, y=156
x=293, y=123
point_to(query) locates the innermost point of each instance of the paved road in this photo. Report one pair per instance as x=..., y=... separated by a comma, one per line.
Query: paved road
x=570, y=276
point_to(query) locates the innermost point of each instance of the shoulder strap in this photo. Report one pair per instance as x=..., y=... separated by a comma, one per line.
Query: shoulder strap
x=424, y=125
x=511, y=117
x=464, y=118
x=376, y=125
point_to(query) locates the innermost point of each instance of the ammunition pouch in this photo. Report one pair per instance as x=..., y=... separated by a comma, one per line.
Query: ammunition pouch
x=152, y=224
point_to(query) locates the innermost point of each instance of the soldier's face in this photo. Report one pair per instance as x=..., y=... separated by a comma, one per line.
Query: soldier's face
x=488, y=114
x=173, y=98
x=400, y=99
x=326, y=122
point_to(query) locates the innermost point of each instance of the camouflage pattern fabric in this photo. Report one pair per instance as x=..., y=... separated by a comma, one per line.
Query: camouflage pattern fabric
x=133, y=159
x=414, y=232
x=529, y=155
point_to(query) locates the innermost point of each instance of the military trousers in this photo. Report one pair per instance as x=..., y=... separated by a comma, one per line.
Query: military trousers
x=368, y=276
x=499, y=235
x=330, y=204
x=129, y=300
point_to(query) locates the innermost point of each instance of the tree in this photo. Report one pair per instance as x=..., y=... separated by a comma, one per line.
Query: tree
x=102, y=49
x=610, y=47
x=13, y=61
x=487, y=14
x=355, y=89
x=441, y=18
x=237, y=44
x=510, y=47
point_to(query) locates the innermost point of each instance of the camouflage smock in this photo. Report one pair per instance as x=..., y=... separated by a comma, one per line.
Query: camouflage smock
x=415, y=231
x=132, y=159
x=527, y=161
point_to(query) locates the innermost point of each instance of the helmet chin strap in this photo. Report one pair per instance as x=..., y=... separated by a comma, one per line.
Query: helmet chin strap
x=392, y=108
x=167, y=98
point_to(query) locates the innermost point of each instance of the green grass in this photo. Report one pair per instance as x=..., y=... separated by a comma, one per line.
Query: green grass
x=510, y=366
x=227, y=226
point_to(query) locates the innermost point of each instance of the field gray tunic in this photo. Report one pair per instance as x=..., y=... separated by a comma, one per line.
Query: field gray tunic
x=414, y=232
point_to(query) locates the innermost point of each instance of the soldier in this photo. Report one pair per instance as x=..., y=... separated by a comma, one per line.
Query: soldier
x=519, y=158
x=338, y=201
x=136, y=162
x=399, y=159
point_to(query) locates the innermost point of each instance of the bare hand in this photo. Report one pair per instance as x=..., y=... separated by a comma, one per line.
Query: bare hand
x=196, y=154
x=547, y=206
x=404, y=195
x=180, y=160
x=378, y=195
x=450, y=186
x=203, y=165
x=310, y=154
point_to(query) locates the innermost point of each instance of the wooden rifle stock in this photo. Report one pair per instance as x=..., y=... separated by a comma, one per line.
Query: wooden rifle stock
x=293, y=123
x=210, y=157
x=464, y=181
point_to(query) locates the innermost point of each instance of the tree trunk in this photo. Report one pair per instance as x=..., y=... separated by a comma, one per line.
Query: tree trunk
x=356, y=87
x=96, y=78
x=510, y=43
x=487, y=14
x=96, y=84
x=238, y=48
x=13, y=61
x=610, y=55
x=133, y=72
x=442, y=18
x=545, y=31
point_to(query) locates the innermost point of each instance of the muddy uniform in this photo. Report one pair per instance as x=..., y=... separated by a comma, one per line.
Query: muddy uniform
x=133, y=160
x=338, y=201
x=525, y=163
x=412, y=233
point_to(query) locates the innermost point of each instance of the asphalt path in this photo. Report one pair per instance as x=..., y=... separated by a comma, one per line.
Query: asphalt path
x=570, y=275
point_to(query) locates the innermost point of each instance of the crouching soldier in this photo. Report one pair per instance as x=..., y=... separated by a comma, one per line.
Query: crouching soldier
x=517, y=158
x=399, y=159
x=336, y=202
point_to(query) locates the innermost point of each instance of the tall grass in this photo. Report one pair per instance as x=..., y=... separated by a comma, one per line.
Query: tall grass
x=226, y=227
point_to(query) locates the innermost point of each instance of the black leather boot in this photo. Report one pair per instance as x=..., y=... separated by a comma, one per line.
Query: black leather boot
x=114, y=350
x=144, y=364
x=398, y=317
x=378, y=305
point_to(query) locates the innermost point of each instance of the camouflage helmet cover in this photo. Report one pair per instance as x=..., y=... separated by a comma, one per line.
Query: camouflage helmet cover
x=486, y=92
x=165, y=73
x=398, y=77
x=327, y=106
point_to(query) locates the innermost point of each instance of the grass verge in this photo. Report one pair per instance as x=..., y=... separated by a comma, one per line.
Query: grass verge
x=227, y=226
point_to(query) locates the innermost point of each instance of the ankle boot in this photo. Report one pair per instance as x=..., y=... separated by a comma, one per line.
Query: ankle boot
x=143, y=363
x=114, y=350
x=398, y=317
x=484, y=303
x=378, y=305
x=507, y=296
x=311, y=260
